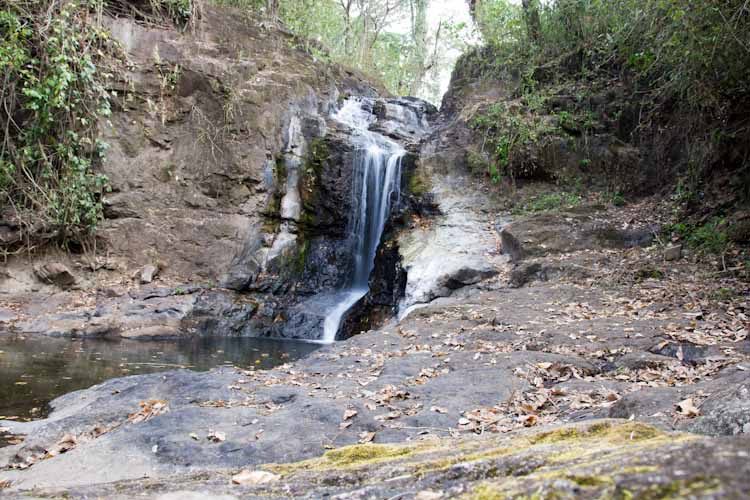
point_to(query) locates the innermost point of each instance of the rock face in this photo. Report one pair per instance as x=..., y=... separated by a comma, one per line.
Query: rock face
x=556, y=233
x=225, y=167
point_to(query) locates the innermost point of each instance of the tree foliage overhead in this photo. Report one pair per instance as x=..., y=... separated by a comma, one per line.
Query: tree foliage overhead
x=691, y=50
x=683, y=67
x=391, y=40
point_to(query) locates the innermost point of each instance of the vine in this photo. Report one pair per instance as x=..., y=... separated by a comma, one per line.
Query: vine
x=56, y=60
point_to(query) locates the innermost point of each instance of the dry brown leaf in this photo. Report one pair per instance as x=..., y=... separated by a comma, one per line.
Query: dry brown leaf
x=366, y=437
x=67, y=443
x=149, y=409
x=687, y=408
x=529, y=420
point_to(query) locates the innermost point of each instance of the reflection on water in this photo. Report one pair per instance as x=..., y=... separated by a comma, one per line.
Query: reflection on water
x=34, y=370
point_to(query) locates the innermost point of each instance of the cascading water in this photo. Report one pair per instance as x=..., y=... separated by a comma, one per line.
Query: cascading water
x=377, y=168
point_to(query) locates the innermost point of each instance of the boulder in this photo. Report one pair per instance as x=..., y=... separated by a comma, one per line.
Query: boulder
x=54, y=273
x=726, y=413
x=148, y=273
x=673, y=253
x=572, y=231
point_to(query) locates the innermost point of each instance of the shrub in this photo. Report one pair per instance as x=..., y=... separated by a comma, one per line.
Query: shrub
x=695, y=51
x=55, y=62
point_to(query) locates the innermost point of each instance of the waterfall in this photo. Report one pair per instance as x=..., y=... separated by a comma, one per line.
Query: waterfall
x=377, y=180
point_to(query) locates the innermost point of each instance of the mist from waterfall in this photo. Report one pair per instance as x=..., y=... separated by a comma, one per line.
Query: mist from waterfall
x=377, y=180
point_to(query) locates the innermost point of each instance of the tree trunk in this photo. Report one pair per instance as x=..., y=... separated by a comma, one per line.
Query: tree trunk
x=419, y=36
x=533, y=21
x=473, y=8
x=272, y=9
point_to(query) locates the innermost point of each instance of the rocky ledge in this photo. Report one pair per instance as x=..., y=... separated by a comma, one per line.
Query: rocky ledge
x=443, y=402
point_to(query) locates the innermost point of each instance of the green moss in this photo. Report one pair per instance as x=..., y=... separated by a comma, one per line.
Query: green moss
x=590, y=481
x=419, y=184
x=683, y=488
x=445, y=463
x=549, y=202
x=605, y=431
x=355, y=455
x=348, y=457
x=485, y=491
x=302, y=254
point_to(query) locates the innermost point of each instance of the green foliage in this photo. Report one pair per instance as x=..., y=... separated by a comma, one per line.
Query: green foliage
x=551, y=201
x=54, y=61
x=708, y=238
x=695, y=51
x=506, y=133
x=361, y=35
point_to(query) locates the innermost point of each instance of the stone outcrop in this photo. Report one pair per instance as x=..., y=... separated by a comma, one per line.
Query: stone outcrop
x=227, y=172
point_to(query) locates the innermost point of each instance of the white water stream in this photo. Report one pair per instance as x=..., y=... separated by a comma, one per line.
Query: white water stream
x=377, y=180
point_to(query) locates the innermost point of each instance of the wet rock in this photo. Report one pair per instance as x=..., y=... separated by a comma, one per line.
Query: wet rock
x=54, y=273
x=151, y=313
x=458, y=248
x=673, y=253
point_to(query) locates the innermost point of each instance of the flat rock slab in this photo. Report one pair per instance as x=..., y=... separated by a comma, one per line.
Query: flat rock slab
x=595, y=459
x=455, y=368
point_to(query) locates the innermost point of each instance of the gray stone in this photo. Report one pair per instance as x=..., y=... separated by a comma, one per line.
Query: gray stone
x=673, y=253
x=458, y=248
x=148, y=273
x=726, y=413
x=54, y=273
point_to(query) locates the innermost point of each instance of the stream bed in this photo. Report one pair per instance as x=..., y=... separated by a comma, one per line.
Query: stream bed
x=35, y=369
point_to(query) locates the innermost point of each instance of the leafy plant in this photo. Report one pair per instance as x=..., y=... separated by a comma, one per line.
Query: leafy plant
x=709, y=238
x=551, y=201
x=55, y=61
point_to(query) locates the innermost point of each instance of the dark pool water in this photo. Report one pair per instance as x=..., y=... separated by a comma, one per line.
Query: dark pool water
x=34, y=370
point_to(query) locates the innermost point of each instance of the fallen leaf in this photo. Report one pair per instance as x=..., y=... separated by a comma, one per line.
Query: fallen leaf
x=350, y=413
x=67, y=443
x=255, y=477
x=687, y=408
x=216, y=436
x=149, y=409
x=438, y=409
x=529, y=420
x=366, y=437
